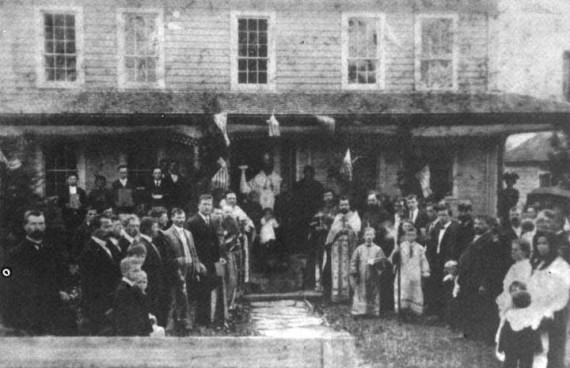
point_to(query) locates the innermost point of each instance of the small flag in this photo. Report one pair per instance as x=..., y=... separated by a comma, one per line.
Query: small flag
x=222, y=178
x=221, y=121
x=346, y=167
x=424, y=178
x=326, y=122
x=274, y=130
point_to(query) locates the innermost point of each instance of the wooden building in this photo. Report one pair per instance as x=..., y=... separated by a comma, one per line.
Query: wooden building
x=87, y=85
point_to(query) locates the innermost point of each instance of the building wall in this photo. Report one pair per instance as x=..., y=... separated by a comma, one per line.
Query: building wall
x=197, y=48
x=533, y=36
x=528, y=178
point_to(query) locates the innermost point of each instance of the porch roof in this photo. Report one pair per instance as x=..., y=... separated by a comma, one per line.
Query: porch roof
x=425, y=114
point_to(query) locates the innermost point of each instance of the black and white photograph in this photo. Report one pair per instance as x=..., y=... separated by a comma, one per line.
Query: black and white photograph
x=284, y=183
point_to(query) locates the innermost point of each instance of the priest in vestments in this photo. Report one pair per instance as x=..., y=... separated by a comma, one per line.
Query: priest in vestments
x=341, y=242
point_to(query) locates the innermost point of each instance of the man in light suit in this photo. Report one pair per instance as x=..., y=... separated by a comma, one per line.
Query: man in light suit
x=208, y=247
x=184, y=261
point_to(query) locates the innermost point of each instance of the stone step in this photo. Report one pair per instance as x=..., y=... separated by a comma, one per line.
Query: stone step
x=298, y=295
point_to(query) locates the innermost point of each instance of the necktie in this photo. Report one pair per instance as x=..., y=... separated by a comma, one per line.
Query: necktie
x=207, y=220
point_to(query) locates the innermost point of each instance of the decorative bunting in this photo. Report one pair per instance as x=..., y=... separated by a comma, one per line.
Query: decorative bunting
x=221, y=121
x=222, y=178
x=346, y=166
x=423, y=177
x=274, y=130
x=326, y=122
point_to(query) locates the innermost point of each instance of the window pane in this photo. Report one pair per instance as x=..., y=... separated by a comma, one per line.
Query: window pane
x=251, y=77
x=50, y=61
x=262, y=78
x=437, y=37
x=262, y=64
x=242, y=65
x=50, y=47
x=242, y=77
x=242, y=51
x=58, y=20
x=70, y=47
x=262, y=25
x=70, y=20
x=242, y=38
x=436, y=74
x=70, y=62
x=252, y=24
x=70, y=34
x=263, y=51
x=60, y=47
x=252, y=66
x=48, y=20
x=352, y=72
x=50, y=74
x=242, y=24
x=59, y=33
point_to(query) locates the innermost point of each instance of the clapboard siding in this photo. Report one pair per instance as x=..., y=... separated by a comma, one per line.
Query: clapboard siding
x=197, y=45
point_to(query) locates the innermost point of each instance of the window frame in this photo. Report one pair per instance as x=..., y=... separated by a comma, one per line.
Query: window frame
x=271, y=51
x=380, y=49
x=418, y=50
x=58, y=147
x=41, y=77
x=160, y=66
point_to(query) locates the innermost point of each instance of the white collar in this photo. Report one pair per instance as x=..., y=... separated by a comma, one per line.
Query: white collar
x=146, y=237
x=179, y=229
x=127, y=281
x=99, y=241
x=124, y=181
x=73, y=189
x=129, y=238
x=204, y=217
x=446, y=225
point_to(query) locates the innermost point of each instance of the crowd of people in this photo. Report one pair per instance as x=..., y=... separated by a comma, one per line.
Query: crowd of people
x=144, y=262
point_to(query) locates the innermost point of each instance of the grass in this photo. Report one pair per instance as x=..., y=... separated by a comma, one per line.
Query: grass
x=388, y=342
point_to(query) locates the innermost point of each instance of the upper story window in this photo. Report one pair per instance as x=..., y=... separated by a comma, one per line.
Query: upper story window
x=436, y=52
x=362, y=54
x=141, y=44
x=60, y=58
x=253, y=51
x=566, y=75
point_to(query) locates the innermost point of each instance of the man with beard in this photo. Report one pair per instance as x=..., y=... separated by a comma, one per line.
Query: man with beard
x=341, y=241
x=375, y=216
x=307, y=194
x=131, y=226
x=208, y=248
x=33, y=297
x=266, y=183
x=100, y=275
x=465, y=228
x=480, y=277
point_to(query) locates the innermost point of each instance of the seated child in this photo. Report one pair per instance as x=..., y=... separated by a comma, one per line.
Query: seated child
x=517, y=340
x=131, y=310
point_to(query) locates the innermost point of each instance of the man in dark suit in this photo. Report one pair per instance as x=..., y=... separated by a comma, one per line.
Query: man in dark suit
x=131, y=232
x=465, y=228
x=480, y=277
x=33, y=293
x=208, y=248
x=418, y=217
x=178, y=188
x=510, y=231
x=441, y=249
x=157, y=190
x=101, y=197
x=82, y=234
x=153, y=265
x=124, y=191
x=100, y=275
x=73, y=202
x=186, y=268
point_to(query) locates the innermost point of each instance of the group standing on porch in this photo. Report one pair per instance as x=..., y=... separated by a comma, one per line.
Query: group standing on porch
x=144, y=262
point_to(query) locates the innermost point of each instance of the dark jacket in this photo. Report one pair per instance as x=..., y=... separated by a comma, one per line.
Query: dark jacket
x=155, y=270
x=206, y=241
x=100, y=275
x=447, y=249
x=116, y=185
x=482, y=264
x=179, y=192
x=130, y=311
x=157, y=195
x=31, y=294
x=101, y=199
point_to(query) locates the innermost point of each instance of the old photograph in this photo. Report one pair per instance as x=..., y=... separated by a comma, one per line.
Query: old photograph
x=285, y=183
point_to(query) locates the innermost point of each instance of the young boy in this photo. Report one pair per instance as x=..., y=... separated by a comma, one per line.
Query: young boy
x=517, y=340
x=130, y=312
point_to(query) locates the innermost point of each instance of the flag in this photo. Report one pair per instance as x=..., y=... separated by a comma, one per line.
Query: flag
x=221, y=121
x=326, y=122
x=222, y=178
x=423, y=177
x=274, y=130
x=346, y=167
